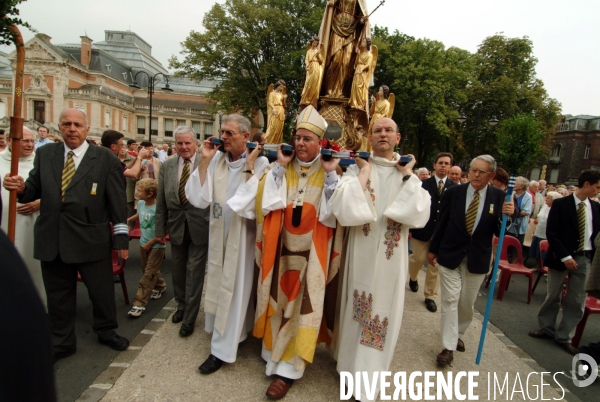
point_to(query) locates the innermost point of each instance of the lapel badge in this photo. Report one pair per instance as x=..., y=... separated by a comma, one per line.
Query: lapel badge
x=491, y=209
x=94, y=187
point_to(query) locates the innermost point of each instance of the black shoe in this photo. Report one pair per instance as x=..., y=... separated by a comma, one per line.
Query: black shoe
x=56, y=356
x=186, y=330
x=211, y=365
x=116, y=279
x=116, y=342
x=431, y=306
x=413, y=285
x=177, y=317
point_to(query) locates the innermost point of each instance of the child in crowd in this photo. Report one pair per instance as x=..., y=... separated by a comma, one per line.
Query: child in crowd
x=151, y=251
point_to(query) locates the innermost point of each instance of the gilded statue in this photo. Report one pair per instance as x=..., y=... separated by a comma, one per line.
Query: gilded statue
x=382, y=105
x=276, y=97
x=363, y=72
x=314, y=73
x=347, y=23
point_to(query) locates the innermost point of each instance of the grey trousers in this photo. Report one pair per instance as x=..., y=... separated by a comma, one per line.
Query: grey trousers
x=573, y=304
x=189, y=266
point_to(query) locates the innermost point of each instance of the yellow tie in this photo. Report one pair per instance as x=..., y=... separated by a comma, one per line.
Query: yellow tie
x=67, y=173
x=581, y=222
x=471, y=215
x=440, y=187
x=185, y=175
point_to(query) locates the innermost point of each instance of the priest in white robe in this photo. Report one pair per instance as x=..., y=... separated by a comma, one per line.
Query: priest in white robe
x=227, y=182
x=379, y=201
x=26, y=213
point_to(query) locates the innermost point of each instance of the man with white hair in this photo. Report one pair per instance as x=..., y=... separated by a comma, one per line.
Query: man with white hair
x=26, y=213
x=227, y=182
x=163, y=154
x=542, y=188
x=423, y=173
x=538, y=199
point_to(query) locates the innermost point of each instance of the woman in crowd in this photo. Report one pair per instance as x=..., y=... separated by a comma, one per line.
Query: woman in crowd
x=540, y=221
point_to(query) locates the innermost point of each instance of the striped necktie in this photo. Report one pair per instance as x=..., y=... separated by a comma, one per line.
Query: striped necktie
x=471, y=215
x=581, y=223
x=67, y=173
x=185, y=175
x=440, y=187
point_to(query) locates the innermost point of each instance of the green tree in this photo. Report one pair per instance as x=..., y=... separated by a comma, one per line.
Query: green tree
x=428, y=81
x=505, y=78
x=249, y=44
x=9, y=15
x=521, y=140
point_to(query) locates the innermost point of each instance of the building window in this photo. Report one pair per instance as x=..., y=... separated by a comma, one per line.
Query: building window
x=125, y=123
x=180, y=123
x=2, y=108
x=535, y=174
x=106, y=118
x=208, y=129
x=196, y=128
x=553, y=176
x=141, y=125
x=154, y=126
x=39, y=111
x=588, y=148
x=168, y=127
x=556, y=150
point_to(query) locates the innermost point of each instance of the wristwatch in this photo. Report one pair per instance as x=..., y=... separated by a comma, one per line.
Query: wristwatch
x=405, y=178
x=251, y=171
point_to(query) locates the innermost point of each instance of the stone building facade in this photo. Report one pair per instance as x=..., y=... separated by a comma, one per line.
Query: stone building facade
x=95, y=77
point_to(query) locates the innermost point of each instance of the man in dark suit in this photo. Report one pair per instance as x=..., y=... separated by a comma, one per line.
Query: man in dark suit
x=436, y=185
x=82, y=191
x=573, y=223
x=188, y=229
x=462, y=244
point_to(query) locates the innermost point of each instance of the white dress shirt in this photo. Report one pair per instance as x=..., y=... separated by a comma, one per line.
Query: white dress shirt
x=77, y=152
x=482, y=195
x=180, y=163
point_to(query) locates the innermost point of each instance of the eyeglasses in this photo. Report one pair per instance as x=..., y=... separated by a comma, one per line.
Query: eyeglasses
x=481, y=172
x=306, y=140
x=28, y=141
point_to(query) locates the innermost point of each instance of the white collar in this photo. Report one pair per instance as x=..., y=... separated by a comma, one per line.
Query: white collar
x=79, y=150
x=308, y=164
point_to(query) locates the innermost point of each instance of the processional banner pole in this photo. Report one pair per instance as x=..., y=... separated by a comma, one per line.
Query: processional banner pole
x=488, y=307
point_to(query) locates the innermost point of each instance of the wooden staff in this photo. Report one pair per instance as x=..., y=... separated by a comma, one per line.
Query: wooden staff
x=16, y=128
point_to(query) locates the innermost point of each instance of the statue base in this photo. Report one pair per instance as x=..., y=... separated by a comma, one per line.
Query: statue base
x=346, y=126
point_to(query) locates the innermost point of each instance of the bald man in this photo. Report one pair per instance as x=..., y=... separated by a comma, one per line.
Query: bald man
x=83, y=191
x=454, y=174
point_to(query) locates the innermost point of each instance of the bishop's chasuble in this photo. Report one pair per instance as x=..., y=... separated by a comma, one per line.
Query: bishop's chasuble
x=375, y=262
x=297, y=253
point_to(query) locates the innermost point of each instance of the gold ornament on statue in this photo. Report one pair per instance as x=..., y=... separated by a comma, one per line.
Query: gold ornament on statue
x=363, y=73
x=314, y=72
x=276, y=97
x=382, y=105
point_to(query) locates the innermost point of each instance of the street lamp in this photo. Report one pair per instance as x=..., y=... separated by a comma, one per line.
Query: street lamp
x=151, y=85
x=479, y=108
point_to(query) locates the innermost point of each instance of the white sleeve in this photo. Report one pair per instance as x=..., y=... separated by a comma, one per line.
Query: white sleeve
x=326, y=216
x=200, y=196
x=243, y=202
x=350, y=203
x=274, y=196
x=411, y=207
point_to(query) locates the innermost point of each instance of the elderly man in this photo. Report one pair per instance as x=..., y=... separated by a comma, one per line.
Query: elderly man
x=227, y=182
x=454, y=174
x=26, y=213
x=542, y=189
x=462, y=244
x=423, y=173
x=436, y=186
x=573, y=224
x=187, y=227
x=42, y=137
x=82, y=191
x=163, y=153
x=291, y=290
x=378, y=201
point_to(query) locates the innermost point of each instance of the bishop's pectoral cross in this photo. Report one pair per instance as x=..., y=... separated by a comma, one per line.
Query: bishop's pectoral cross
x=297, y=208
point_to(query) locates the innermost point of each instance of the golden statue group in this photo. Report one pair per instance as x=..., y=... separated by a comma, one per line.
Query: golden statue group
x=339, y=67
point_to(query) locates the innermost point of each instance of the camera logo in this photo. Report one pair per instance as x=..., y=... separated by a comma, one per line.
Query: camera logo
x=584, y=365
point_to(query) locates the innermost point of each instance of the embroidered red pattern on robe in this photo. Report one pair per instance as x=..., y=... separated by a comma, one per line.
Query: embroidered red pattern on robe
x=392, y=237
x=367, y=226
x=374, y=331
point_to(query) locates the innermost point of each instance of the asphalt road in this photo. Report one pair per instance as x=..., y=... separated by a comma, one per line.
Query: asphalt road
x=75, y=373
x=516, y=318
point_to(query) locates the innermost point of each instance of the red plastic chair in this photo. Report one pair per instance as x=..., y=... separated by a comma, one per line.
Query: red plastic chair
x=507, y=269
x=118, y=269
x=543, y=270
x=136, y=232
x=592, y=306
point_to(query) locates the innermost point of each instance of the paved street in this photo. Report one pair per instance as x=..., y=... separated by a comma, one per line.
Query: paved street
x=515, y=318
x=74, y=374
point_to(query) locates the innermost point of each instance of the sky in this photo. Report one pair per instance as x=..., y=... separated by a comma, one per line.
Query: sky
x=565, y=34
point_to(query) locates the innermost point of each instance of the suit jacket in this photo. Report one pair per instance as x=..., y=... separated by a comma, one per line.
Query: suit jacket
x=562, y=231
x=431, y=186
x=450, y=240
x=78, y=228
x=537, y=205
x=169, y=209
